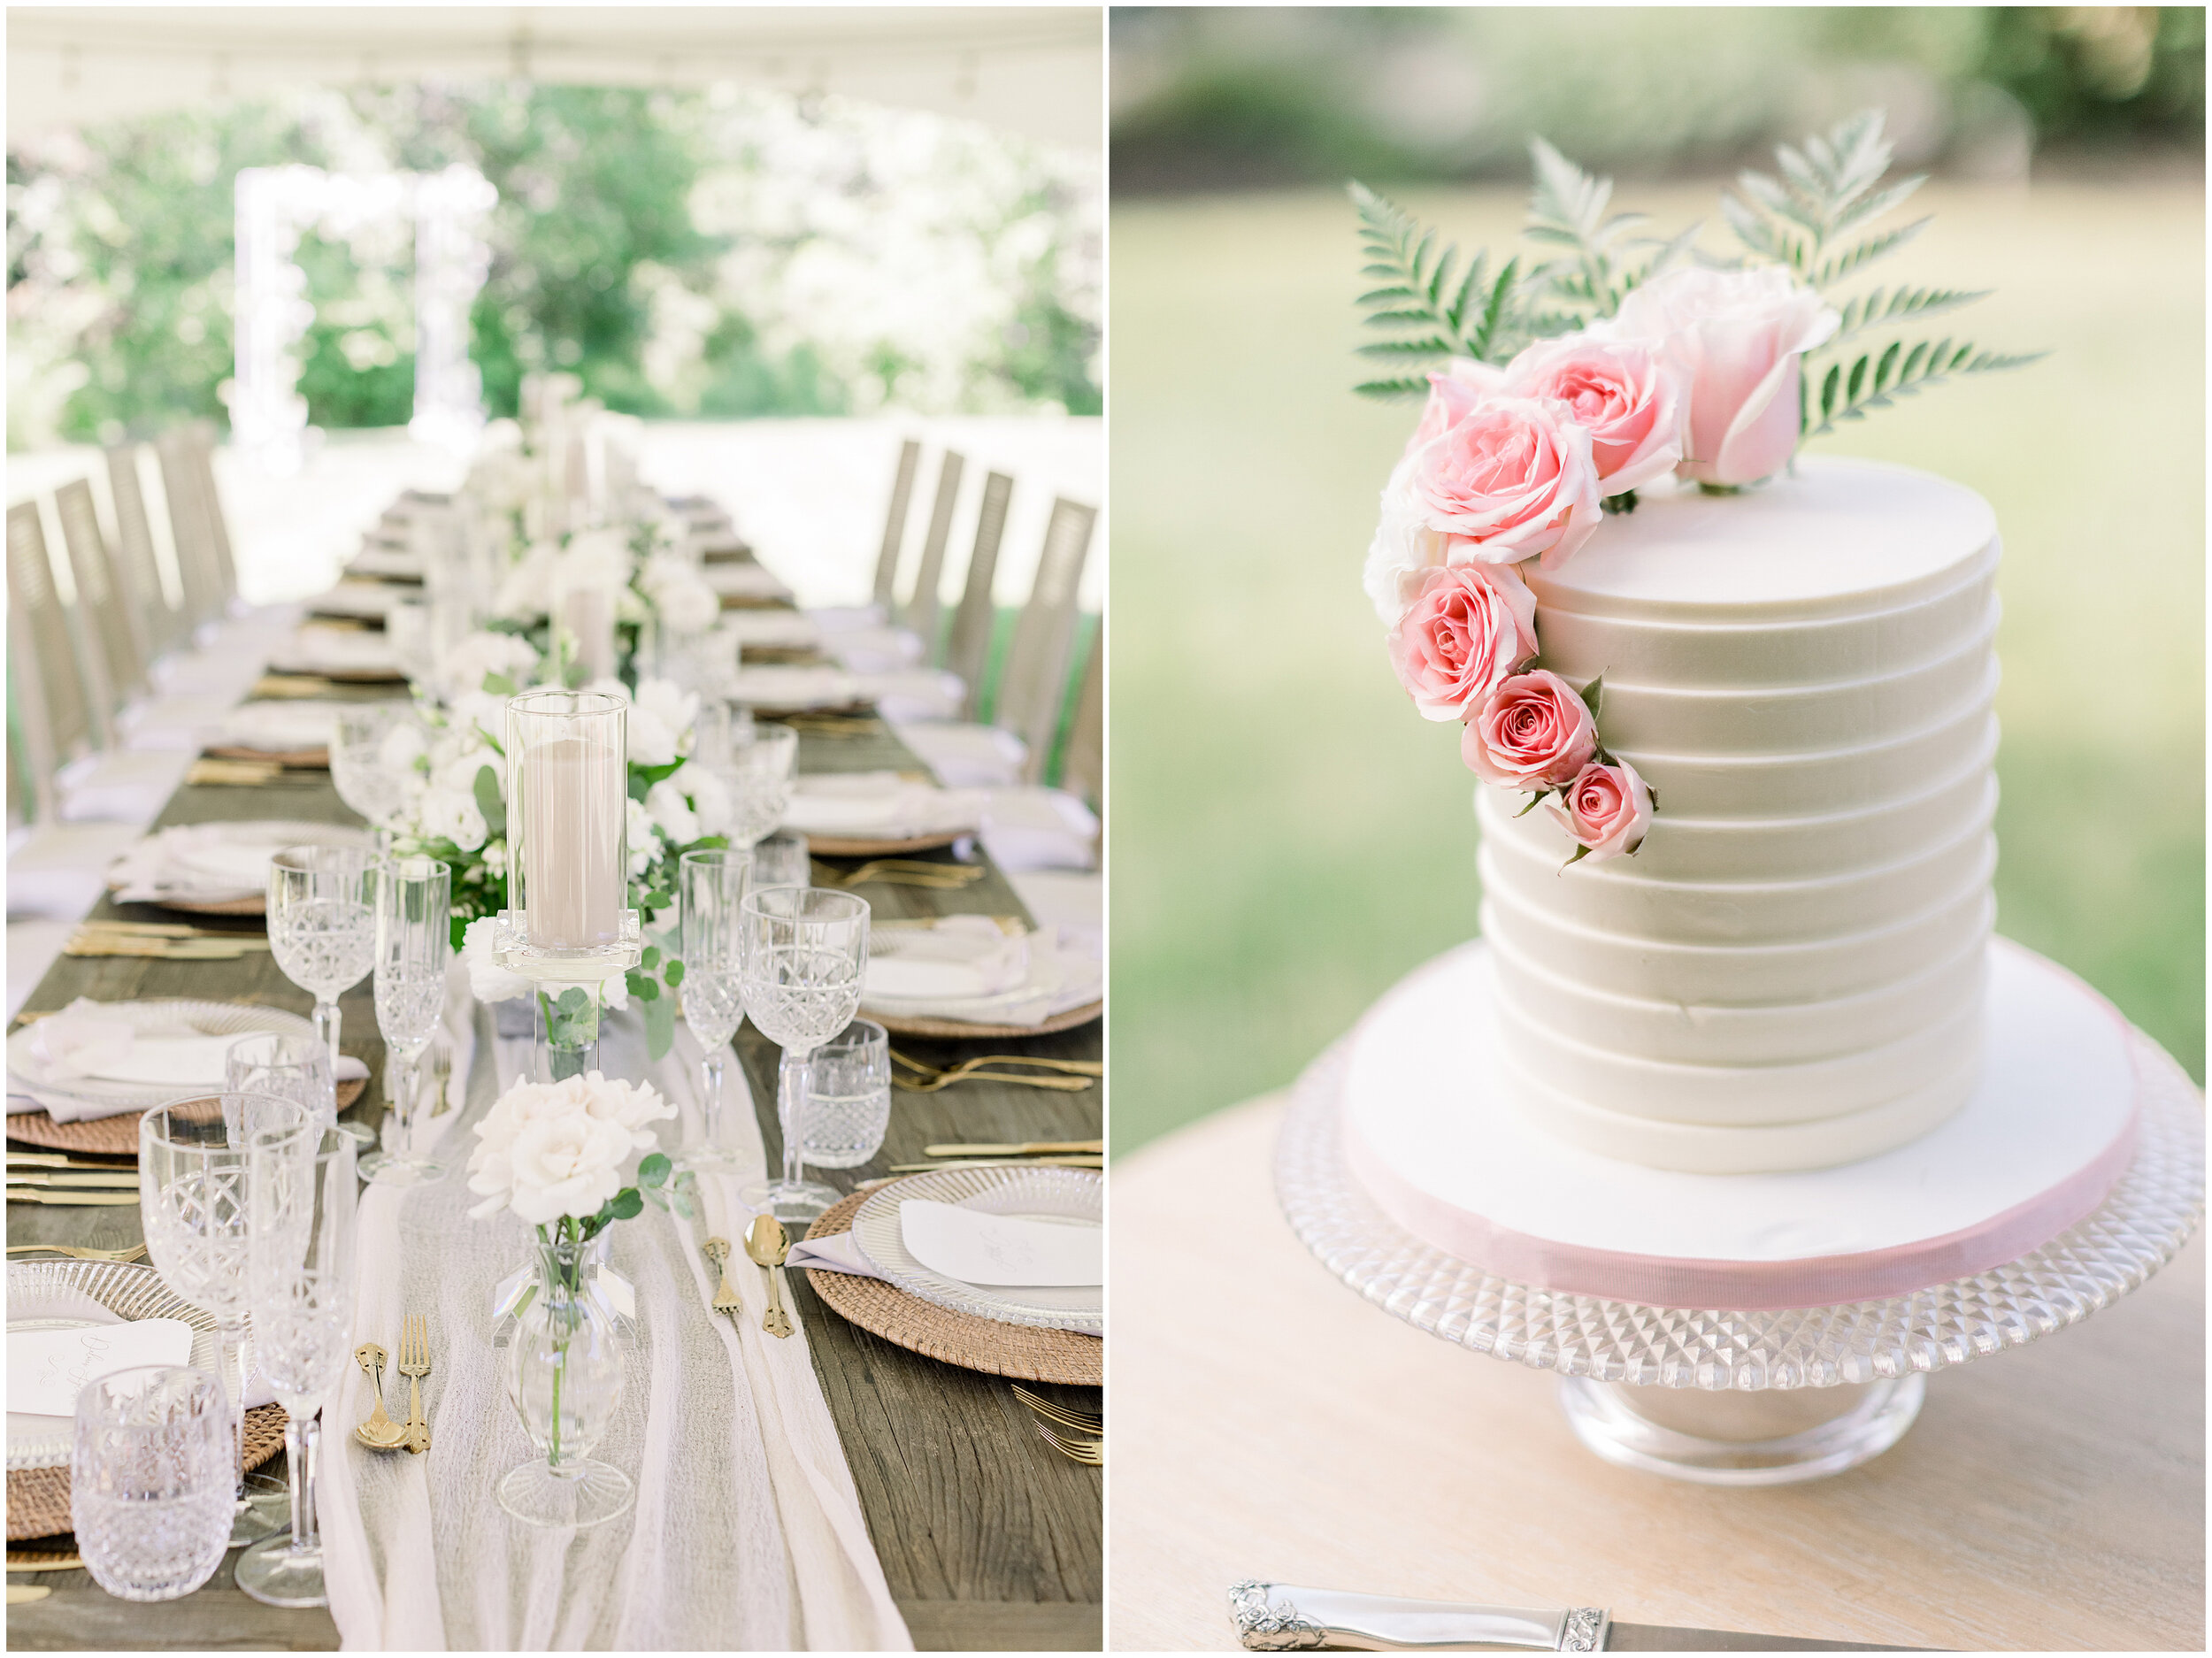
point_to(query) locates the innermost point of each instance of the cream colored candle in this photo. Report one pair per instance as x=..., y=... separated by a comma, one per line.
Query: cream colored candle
x=587, y=615
x=574, y=808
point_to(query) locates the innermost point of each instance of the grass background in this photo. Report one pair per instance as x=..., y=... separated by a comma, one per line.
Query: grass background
x=1288, y=838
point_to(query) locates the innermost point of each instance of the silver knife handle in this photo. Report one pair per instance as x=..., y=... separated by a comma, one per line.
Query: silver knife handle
x=1284, y=1618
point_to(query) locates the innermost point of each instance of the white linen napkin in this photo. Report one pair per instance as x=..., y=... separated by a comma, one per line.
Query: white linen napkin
x=840, y=1252
x=961, y=957
x=335, y=650
x=207, y=862
x=912, y=692
x=277, y=727
x=789, y=684
x=875, y=650
x=81, y=1044
x=1029, y=829
x=787, y=630
x=744, y=582
x=367, y=599
x=879, y=805
x=1061, y=976
x=75, y=1304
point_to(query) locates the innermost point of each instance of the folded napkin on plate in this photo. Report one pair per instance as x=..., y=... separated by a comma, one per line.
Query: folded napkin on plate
x=277, y=728
x=787, y=630
x=878, y=805
x=911, y=694
x=355, y=598
x=1032, y=828
x=83, y=1043
x=962, y=956
x=335, y=650
x=840, y=1252
x=208, y=862
x=744, y=582
x=1061, y=976
x=787, y=686
x=838, y=618
x=383, y=558
x=875, y=650
x=31, y=1353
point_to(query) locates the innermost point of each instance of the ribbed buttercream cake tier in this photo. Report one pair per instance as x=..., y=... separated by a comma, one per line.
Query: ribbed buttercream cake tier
x=1804, y=674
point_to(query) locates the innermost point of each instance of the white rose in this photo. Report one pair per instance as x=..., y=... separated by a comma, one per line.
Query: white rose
x=686, y=605
x=643, y=848
x=1405, y=550
x=629, y=1106
x=710, y=798
x=661, y=715
x=488, y=981
x=481, y=654
x=564, y=1165
x=405, y=744
x=527, y=589
x=450, y=814
x=671, y=812
x=595, y=558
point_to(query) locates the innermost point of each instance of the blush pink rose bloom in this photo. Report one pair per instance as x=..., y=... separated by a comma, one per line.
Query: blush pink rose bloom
x=1533, y=731
x=1620, y=392
x=1737, y=340
x=1453, y=395
x=1511, y=480
x=1468, y=628
x=1607, y=808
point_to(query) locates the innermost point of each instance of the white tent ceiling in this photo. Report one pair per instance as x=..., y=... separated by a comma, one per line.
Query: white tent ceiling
x=1032, y=69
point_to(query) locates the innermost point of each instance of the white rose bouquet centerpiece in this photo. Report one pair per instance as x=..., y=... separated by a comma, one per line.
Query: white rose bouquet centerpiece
x=1562, y=385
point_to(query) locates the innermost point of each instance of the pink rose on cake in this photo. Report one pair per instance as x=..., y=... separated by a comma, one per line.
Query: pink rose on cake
x=1511, y=480
x=1618, y=391
x=1737, y=339
x=1468, y=628
x=1533, y=732
x=1607, y=808
x=1453, y=395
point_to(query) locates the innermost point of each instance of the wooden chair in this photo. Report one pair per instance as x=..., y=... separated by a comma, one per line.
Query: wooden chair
x=167, y=627
x=1031, y=689
x=56, y=714
x=969, y=652
x=102, y=605
x=895, y=527
x=199, y=445
x=1083, y=773
x=191, y=529
x=920, y=615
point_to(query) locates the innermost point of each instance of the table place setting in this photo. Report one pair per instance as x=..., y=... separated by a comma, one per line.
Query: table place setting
x=868, y=814
x=217, y=868
x=351, y=654
x=354, y=601
x=294, y=733
x=967, y=975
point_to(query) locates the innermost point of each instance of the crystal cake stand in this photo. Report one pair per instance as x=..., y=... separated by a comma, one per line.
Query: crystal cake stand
x=1747, y=1398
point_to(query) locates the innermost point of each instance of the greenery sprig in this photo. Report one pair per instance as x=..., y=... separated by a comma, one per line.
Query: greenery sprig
x=1476, y=317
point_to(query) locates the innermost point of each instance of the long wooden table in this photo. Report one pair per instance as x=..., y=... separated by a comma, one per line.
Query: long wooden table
x=990, y=1539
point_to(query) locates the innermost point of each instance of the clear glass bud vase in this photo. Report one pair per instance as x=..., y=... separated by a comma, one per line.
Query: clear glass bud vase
x=564, y=1375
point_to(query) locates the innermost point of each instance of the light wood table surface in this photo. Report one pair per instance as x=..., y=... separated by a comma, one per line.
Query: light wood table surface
x=1268, y=1423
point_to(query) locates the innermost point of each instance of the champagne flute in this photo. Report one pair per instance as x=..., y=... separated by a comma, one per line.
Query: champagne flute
x=322, y=926
x=711, y=889
x=803, y=952
x=412, y=944
x=193, y=1204
x=757, y=773
x=361, y=768
x=301, y=1194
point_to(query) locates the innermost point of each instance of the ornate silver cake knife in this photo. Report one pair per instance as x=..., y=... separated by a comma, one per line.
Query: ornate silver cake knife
x=1281, y=1618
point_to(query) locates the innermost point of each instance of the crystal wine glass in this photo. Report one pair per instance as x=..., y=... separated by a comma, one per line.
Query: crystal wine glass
x=802, y=951
x=361, y=763
x=149, y=1480
x=711, y=889
x=292, y=1067
x=849, y=1099
x=301, y=1196
x=192, y=1199
x=781, y=860
x=322, y=925
x=413, y=943
x=758, y=775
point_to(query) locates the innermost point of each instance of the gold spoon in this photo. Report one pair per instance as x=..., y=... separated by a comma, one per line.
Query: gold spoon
x=766, y=1244
x=380, y=1432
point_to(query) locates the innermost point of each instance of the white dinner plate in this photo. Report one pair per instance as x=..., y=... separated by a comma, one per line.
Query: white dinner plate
x=41, y=1295
x=26, y=1072
x=1073, y=1196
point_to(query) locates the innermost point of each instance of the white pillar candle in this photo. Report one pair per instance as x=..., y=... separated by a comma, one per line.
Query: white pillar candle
x=587, y=614
x=575, y=810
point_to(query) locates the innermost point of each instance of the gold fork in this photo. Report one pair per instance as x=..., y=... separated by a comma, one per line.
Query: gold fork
x=934, y=1077
x=1066, y=1416
x=414, y=1363
x=1090, y=1452
x=725, y=1298
x=910, y=872
x=132, y=1254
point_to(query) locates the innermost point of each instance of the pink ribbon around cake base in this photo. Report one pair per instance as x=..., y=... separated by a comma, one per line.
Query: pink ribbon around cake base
x=1741, y=1285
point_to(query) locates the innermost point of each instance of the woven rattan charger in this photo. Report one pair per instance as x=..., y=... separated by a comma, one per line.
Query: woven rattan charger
x=960, y=1030
x=1024, y=1352
x=38, y=1498
x=114, y=1136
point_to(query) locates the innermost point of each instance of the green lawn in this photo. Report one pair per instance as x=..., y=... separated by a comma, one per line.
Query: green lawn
x=1287, y=838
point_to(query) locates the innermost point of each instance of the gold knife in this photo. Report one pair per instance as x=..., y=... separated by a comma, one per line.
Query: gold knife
x=1001, y=1162
x=115, y=1177
x=1026, y=1149
x=31, y=1195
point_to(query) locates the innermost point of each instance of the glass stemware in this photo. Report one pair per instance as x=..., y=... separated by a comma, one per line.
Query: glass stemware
x=757, y=773
x=710, y=887
x=322, y=926
x=803, y=953
x=370, y=763
x=849, y=1099
x=413, y=944
x=781, y=860
x=290, y=1067
x=301, y=1196
x=149, y=1494
x=193, y=1203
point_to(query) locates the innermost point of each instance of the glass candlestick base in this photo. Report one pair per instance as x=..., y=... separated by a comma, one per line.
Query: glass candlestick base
x=576, y=1493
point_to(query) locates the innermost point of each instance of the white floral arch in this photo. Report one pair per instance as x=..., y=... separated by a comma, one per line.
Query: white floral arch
x=268, y=417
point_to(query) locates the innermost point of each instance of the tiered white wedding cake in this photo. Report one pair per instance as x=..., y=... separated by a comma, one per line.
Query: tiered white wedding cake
x=1789, y=973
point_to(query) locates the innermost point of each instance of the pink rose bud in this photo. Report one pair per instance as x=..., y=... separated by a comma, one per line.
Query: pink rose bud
x=1607, y=808
x=1468, y=628
x=1511, y=480
x=1737, y=339
x=1533, y=733
x=1618, y=391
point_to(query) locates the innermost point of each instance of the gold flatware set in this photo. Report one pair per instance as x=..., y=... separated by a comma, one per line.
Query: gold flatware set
x=35, y=1177
x=908, y=873
x=766, y=1244
x=212, y=772
x=162, y=941
x=1076, y=1075
x=379, y=1431
x=136, y=1251
x=1077, y=1435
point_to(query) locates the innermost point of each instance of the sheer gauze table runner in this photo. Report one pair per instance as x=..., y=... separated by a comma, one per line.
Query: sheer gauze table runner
x=747, y=1531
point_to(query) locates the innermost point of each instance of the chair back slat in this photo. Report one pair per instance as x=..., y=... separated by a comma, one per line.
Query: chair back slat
x=1031, y=688
x=188, y=529
x=895, y=527
x=1083, y=772
x=55, y=705
x=164, y=625
x=201, y=434
x=921, y=607
x=969, y=652
x=99, y=601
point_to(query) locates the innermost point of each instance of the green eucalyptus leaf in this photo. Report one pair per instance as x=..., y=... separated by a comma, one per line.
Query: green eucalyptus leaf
x=673, y=973
x=498, y=685
x=660, y=1027
x=625, y=1204
x=653, y=1168
x=489, y=801
x=651, y=958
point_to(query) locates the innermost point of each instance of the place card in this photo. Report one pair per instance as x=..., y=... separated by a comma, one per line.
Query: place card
x=975, y=1247
x=48, y=1369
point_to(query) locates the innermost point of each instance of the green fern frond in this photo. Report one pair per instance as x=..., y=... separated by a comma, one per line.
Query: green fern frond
x=1884, y=305
x=1404, y=386
x=1876, y=382
x=1418, y=293
x=1825, y=190
x=1567, y=208
x=1835, y=269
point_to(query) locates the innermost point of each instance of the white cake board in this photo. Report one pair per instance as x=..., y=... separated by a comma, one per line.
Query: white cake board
x=1432, y=1132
